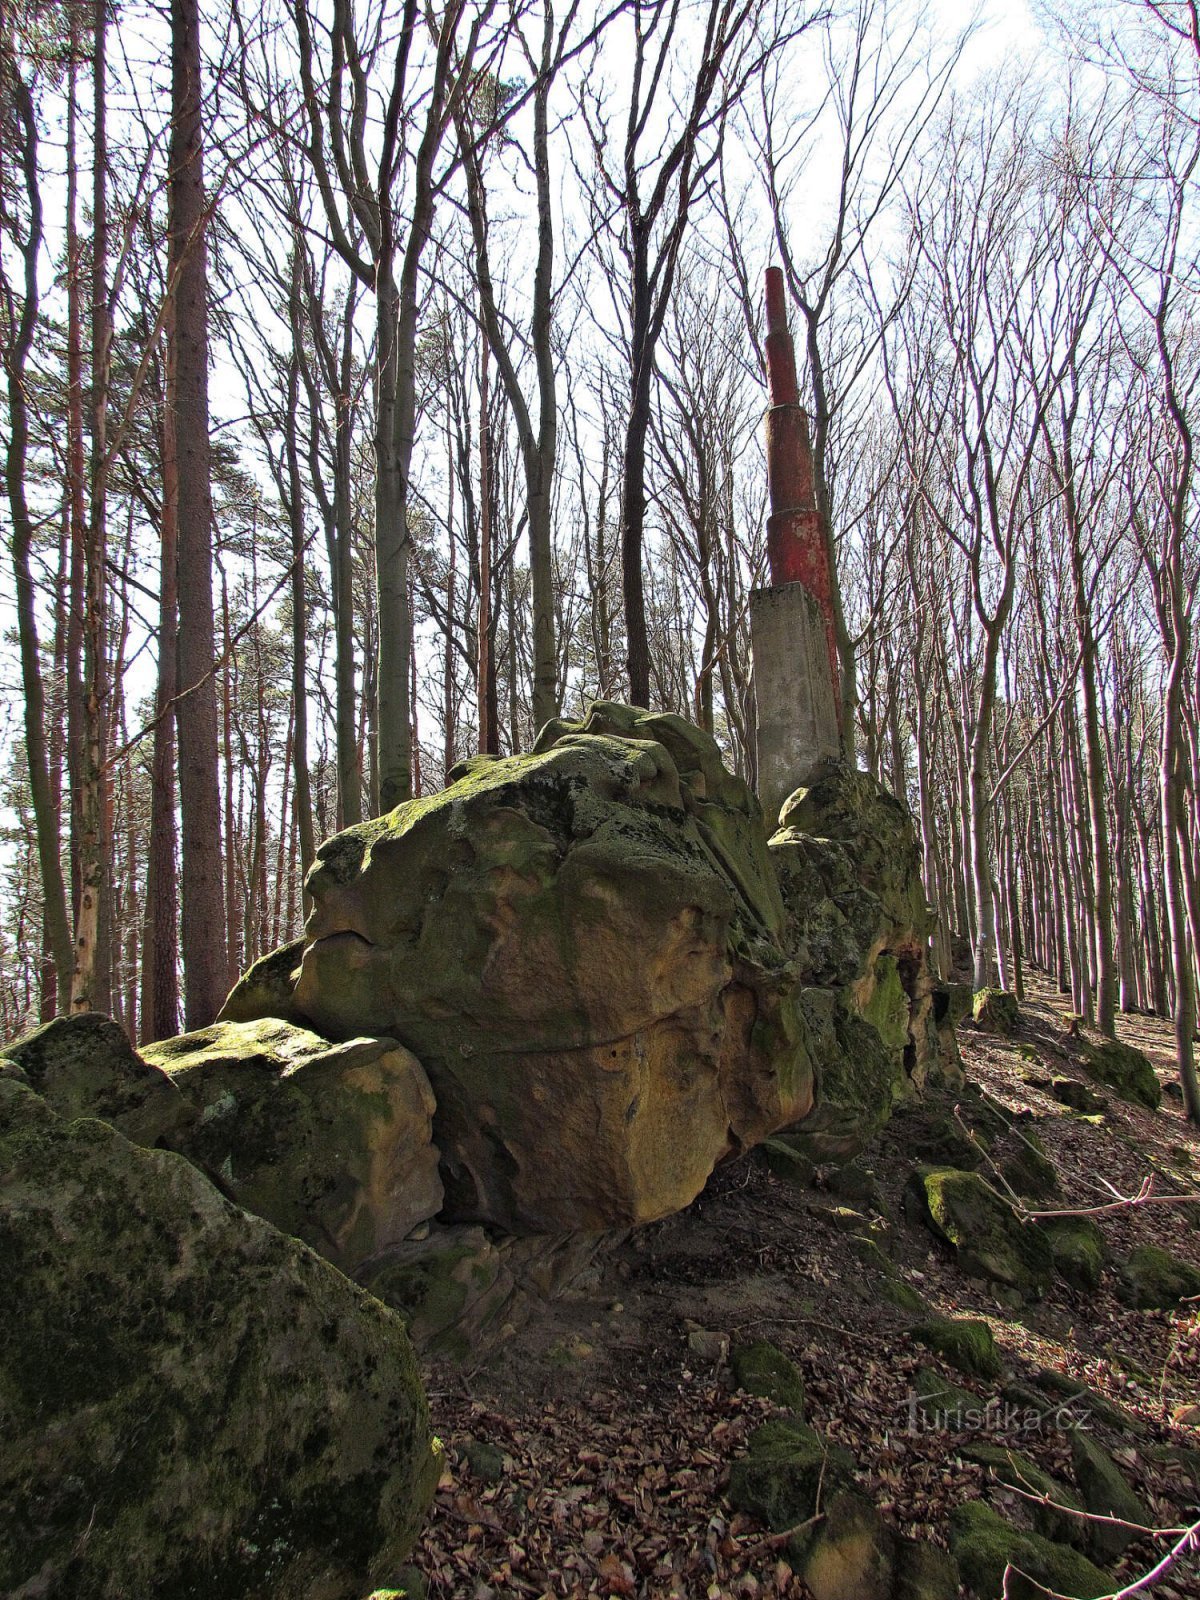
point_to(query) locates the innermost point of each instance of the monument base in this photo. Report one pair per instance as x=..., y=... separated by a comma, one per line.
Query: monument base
x=796, y=712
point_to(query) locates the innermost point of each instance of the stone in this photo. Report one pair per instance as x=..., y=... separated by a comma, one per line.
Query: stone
x=1124, y=1069
x=1074, y=1095
x=1078, y=1248
x=1029, y=1171
x=265, y=989
x=850, y=1554
x=1153, y=1278
x=1105, y=1494
x=331, y=1143
x=988, y=1239
x=965, y=1343
x=194, y=1402
x=584, y=947
x=84, y=1066
x=941, y=1141
x=453, y=1290
x=786, y=1162
x=485, y=1460
x=854, y=1183
x=984, y=1544
x=925, y=1571
x=942, y=1406
x=789, y=1465
x=996, y=1011
x=763, y=1369
x=708, y=1346
x=1011, y=1467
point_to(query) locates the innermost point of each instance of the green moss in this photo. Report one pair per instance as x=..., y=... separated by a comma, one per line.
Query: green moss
x=1078, y=1248
x=1011, y=1467
x=887, y=1008
x=1029, y=1170
x=985, y=1544
x=1154, y=1278
x=944, y=1406
x=988, y=1238
x=763, y=1369
x=964, y=1342
x=924, y=1571
x=1124, y=1069
x=1105, y=1494
x=788, y=1465
x=786, y=1162
x=996, y=1011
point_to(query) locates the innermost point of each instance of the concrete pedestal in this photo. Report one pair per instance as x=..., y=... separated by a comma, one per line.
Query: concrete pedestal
x=797, y=715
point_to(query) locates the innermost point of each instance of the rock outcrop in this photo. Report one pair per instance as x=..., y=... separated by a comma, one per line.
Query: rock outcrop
x=584, y=946
x=194, y=1404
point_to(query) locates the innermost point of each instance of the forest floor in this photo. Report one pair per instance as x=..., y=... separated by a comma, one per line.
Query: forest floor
x=616, y=1441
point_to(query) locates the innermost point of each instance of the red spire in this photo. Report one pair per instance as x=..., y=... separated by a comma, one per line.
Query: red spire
x=796, y=549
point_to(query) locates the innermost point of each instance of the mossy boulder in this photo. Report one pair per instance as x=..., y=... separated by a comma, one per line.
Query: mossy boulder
x=763, y=1369
x=1071, y=1093
x=1029, y=1171
x=1123, y=1069
x=849, y=867
x=965, y=1343
x=84, y=1066
x=937, y=1405
x=453, y=1289
x=850, y=1554
x=1154, y=1278
x=332, y=1143
x=785, y=1161
x=195, y=1404
x=1011, y=1468
x=940, y=1140
x=1106, y=1494
x=1078, y=1248
x=788, y=1466
x=585, y=948
x=985, y=1545
x=988, y=1238
x=925, y=1571
x=996, y=1011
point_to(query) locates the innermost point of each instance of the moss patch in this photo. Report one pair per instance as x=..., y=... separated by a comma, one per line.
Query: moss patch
x=986, y=1234
x=1123, y=1069
x=1078, y=1248
x=966, y=1343
x=762, y=1369
x=984, y=1545
x=1156, y=1279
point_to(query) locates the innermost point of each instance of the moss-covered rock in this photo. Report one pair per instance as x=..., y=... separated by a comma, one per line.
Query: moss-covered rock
x=1071, y=1093
x=763, y=1369
x=937, y=1405
x=1029, y=1171
x=1106, y=1494
x=1078, y=1248
x=985, y=1544
x=939, y=1140
x=1010, y=1467
x=332, y=1143
x=785, y=1161
x=585, y=947
x=988, y=1239
x=1155, y=1278
x=1124, y=1069
x=788, y=1466
x=850, y=1554
x=195, y=1404
x=84, y=1066
x=966, y=1343
x=453, y=1289
x=996, y=1011
x=925, y=1571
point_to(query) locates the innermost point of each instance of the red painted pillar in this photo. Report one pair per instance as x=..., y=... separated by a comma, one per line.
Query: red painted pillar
x=796, y=548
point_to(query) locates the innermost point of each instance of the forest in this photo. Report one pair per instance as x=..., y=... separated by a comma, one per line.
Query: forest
x=383, y=380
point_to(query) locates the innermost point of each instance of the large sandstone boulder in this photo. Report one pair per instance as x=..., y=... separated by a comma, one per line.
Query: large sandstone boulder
x=194, y=1404
x=584, y=946
x=332, y=1143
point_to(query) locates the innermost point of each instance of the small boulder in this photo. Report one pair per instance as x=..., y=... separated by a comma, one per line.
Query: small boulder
x=453, y=1289
x=925, y=1571
x=331, y=1143
x=1123, y=1069
x=762, y=1369
x=936, y=1405
x=194, y=1402
x=988, y=1238
x=996, y=1011
x=1105, y=1494
x=850, y=1554
x=1074, y=1095
x=1154, y=1278
x=789, y=1465
x=785, y=1161
x=1078, y=1248
x=1010, y=1467
x=965, y=1343
x=985, y=1544
x=83, y=1065
x=1029, y=1171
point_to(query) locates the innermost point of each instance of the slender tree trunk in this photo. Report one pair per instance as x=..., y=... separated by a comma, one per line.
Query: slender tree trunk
x=489, y=719
x=203, y=928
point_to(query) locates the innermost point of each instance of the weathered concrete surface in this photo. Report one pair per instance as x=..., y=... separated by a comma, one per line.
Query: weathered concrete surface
x=796, y=711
